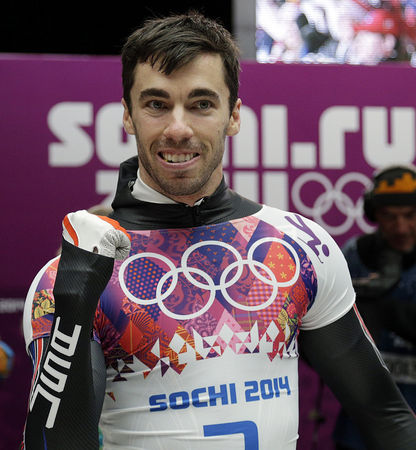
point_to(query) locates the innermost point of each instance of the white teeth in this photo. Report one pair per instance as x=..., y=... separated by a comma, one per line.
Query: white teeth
x=178, y=158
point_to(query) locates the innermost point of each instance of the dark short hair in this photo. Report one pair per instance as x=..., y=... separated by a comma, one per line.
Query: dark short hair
x=174, y=41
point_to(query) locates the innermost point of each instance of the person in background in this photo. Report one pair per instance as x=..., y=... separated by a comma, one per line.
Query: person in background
x=383, y=269
x=6, y=360
x=178, y=320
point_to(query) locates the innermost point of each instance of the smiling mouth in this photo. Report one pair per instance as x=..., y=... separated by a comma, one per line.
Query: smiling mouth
x=177, y=157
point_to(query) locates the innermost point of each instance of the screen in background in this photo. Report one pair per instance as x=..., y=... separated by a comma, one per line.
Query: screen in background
x=366, y=32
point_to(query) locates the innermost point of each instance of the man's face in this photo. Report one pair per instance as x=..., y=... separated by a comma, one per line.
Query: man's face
x=180, y=122
x=397, y=224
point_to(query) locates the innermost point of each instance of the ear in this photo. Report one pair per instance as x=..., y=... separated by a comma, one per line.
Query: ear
x=127, y=120
x=235, y=120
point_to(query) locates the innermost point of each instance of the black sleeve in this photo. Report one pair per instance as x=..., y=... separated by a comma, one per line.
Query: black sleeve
x=347, y=360
x=66, y=397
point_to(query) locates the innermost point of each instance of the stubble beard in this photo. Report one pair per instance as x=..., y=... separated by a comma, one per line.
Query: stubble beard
x=182, y=184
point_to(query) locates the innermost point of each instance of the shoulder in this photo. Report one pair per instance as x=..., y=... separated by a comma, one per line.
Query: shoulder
x=312, y=237
x=335, y=294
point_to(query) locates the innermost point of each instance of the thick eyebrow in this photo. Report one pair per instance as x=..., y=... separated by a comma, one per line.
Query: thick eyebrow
x=153, y=92
x=203, y=92
x=195, y=93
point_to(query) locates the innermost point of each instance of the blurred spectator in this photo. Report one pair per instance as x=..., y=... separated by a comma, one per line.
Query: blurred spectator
x=6, y=360
x=336, y=31
x=378, y=36
x=383, y=269
x=278, y=36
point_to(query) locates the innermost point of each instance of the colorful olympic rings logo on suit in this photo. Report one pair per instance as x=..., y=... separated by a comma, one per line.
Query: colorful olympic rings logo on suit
x=205, y=282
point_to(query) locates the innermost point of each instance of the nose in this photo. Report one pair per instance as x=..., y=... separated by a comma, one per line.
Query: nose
x=178, y=127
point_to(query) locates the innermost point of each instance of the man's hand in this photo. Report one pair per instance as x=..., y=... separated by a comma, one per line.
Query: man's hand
x=96, y=234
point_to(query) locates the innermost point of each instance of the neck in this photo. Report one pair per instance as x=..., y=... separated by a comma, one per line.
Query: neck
x=188, y=199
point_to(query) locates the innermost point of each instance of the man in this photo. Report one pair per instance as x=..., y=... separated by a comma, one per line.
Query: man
x=191, y=341
x=383, y=267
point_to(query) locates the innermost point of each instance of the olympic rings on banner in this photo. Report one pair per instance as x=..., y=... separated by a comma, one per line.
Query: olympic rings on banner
x=333, y=196
x=208, y=283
